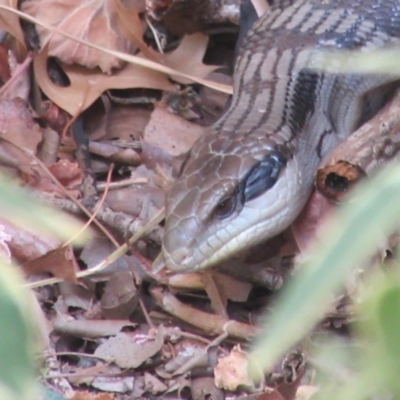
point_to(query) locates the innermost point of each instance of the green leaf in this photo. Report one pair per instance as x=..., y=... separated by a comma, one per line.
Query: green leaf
x=351, y=239
x=377, y=334
x=389, y=323
x=380, y=329
x=16, y=335
x=375, y=61
x=22, y=210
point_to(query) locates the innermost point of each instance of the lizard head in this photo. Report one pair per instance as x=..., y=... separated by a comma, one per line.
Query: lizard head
x=229, y=197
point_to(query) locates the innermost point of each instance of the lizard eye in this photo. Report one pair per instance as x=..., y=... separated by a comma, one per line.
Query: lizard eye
x=225, y=207
x=264, y=175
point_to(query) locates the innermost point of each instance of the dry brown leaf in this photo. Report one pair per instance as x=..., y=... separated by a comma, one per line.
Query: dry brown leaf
x=10, y=22
x=53, y=117
x=18, y=126
x=90, y=329
x=130, y=24
x=203, y=387
x=120, y=297
x=20, y=83
x=171, y=133
x=25, y=245
x=140, y=5
x=274, y=395
x=122, y=122
x=87, y=85
x=84, y=376
x=141, y=201
x=153, y=385
x=93, y=396
x=97, y=21
x=5, y=72
x=110, y=383
x=60, y=262
x=77, y=296
x=232, y=288
x=131, y=350
x=94, y=253
x=188, y=58
x=137, y=60
x=67, y=173
x=233, y=371
x=37, y=179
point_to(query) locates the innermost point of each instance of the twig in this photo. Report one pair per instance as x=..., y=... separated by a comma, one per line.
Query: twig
x=211, y=324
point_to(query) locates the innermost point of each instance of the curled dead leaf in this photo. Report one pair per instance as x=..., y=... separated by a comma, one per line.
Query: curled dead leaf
x=131, y=350
x=120, y=297
x=187, y=58
x=87, y=85
x=134, y=59
x=97, y=21
x=10, y=22
x=60, y=262
x=233, y=371
x=19, y=131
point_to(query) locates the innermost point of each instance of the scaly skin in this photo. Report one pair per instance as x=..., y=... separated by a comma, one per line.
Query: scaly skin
x=251, y=173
